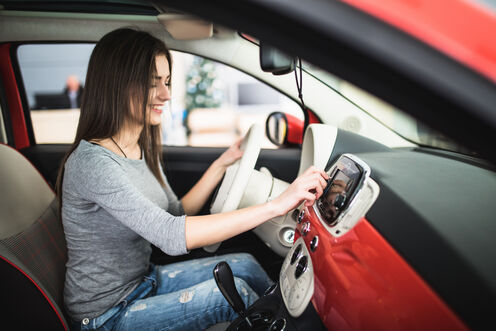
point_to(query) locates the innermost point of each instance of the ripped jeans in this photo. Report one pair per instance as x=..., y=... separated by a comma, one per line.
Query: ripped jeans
x=183, y=296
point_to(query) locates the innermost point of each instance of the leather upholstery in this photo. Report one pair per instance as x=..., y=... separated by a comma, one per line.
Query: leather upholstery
x=33, y=251
x=24, y=194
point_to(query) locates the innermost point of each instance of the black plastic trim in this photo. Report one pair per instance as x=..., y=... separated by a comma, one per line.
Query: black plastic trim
x=81, y=7
x=433, y=258
x=349, y=142
x=6, y=115
x=458, y=157
x=422, y=213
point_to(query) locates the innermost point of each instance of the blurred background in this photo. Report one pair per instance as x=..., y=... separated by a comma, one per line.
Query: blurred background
x=212, y=104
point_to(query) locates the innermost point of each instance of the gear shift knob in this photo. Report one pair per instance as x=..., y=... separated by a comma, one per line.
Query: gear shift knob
x=225, y=282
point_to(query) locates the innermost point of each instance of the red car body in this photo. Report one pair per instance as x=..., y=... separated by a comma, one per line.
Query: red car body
x=362, y=283
x=462, y=29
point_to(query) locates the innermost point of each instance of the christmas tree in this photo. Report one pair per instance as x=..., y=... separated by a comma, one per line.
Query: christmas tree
x=202, y=89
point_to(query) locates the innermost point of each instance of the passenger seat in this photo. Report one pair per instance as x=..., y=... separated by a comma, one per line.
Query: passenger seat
x=33, y=251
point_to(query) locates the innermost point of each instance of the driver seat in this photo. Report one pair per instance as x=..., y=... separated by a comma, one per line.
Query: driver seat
x=33, y=251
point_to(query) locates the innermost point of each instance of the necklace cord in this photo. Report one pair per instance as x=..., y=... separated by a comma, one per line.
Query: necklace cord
x=119, y=147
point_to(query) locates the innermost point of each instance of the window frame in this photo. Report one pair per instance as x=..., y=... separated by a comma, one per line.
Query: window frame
x=308, y=118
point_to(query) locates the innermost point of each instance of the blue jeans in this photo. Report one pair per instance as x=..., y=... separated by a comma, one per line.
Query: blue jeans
x=183, y=296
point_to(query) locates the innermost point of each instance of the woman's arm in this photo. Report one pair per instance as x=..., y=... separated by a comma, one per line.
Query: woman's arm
x=194, y=200
x=210, y=229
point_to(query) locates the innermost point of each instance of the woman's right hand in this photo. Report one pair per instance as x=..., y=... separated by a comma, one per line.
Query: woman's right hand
x=308, y=186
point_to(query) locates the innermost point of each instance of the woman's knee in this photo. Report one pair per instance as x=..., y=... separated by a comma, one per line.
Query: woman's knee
x=248, y=295
x=244, y=259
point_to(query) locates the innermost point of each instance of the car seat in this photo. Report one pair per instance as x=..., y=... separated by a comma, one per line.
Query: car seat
x=33, y=251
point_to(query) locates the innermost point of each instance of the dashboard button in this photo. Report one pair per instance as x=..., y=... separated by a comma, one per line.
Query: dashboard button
x=295, y=215
x=288, y=236
x=314, y=243
x=305, y=228
x=296, y=254
x=300, y=216
x=301, y=267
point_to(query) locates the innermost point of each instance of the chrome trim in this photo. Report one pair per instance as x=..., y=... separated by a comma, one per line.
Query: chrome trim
x=283, y=326
x=305, y=229
x=301, y=214
x=269, y=290
x=316, y=238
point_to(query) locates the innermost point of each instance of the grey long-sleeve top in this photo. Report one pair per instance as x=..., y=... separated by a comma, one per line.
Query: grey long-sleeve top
x=112, y=209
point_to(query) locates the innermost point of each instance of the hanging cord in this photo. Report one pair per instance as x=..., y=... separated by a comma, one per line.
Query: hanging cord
x=299, y=85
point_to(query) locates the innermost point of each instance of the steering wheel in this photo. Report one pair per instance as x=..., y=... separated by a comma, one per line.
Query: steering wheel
x=237, y=176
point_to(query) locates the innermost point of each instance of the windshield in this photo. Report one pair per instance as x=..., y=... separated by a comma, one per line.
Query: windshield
x=395, y=119
x=490, y=4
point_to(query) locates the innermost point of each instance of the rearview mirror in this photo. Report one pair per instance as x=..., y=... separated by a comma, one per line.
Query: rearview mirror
x=284, y=129
x=274, y=61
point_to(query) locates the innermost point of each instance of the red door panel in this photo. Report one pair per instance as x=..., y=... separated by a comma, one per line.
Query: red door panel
x=362, y=283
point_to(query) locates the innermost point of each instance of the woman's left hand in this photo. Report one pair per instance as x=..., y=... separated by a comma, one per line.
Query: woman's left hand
x=231, y=155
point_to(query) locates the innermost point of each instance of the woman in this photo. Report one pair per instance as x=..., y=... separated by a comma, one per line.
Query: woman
x=115, y=201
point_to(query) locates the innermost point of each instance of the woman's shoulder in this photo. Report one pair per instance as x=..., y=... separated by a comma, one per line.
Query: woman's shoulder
x=88, y=157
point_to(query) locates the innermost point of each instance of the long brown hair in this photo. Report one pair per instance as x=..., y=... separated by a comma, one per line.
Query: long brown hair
x=118, y=82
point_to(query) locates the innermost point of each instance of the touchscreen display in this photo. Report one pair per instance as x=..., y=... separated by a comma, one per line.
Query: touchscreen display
x=337, y=193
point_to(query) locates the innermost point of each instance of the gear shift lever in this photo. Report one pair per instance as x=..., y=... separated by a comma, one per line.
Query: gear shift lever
x=225, y=282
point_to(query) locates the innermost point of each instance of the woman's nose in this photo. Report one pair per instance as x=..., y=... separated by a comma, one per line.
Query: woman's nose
x=163, y=93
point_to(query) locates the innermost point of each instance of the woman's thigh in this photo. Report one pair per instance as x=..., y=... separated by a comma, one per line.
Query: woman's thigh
x=177, y=276
x=194, y=308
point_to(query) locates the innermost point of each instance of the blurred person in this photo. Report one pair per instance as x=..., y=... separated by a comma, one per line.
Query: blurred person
x=70, y=97
x=73, y=91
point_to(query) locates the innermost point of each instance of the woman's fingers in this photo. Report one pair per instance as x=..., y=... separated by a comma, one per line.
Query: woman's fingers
x=309, y=198
x=314, y=184
x=314, y=169
x=238, y=142
x=319, y=189
x=307, y=187
x=323, y=181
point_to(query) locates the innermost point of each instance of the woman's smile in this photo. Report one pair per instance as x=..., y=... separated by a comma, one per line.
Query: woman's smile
x=158, y=108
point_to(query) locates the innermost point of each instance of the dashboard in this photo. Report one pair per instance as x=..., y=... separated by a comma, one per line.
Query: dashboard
x=393, y=242
x=342, y=266
x=347, y=197
x=400, y=239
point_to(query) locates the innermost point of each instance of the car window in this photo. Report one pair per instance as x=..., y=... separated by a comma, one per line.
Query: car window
x=212, y=104
x=53, y=76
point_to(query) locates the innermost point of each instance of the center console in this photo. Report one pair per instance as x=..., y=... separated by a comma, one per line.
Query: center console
x=348, y=195
x=285, y=305
x=269, y=313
